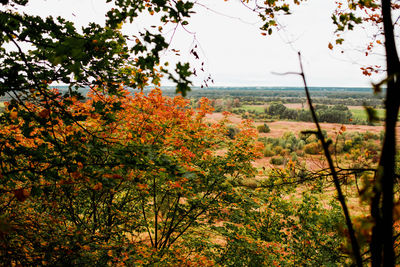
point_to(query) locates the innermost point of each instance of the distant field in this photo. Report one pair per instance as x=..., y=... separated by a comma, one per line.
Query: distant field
x=358, y=112
x=278, y=128
x=256, y=108
x=361, y=114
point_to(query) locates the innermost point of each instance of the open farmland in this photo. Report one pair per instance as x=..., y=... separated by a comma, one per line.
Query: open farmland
x=278, y=128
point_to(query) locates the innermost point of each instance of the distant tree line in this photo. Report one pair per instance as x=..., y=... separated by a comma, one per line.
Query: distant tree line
x=334, y=114
x=261, y=97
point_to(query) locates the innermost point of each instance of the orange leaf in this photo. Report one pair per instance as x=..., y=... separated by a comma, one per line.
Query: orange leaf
x=98, y=186
x=13, y=114
x=44, y=114
x=21, y=194
x=116, y=176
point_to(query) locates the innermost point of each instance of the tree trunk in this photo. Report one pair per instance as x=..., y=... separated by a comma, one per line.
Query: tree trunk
x=382, y=237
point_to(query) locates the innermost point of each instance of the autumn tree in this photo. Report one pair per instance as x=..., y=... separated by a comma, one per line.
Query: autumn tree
x=109, y=177
x=64, y=162
x=131, y=179
x=127, y=184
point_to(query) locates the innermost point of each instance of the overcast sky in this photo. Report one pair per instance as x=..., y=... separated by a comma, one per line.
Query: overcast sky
x=233, y=50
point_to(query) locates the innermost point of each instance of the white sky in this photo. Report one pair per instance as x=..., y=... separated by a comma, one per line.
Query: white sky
x=234, y=51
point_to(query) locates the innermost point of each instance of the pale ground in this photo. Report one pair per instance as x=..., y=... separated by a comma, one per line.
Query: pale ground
x=313, y=162
x=278, y=128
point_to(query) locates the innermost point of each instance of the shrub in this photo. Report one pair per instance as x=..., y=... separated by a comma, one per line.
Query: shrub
x=311, y=139
x=290, y=114
x=338, y=147
x=262, y=139
x=275, y=109
x=263, y=128
x=278, y=160
x=348, y=144
x=278, y=149
x=312, y=148
x=301, y=144
x=368, y=135
x=268, y=152
x=372, y=147
x=285, y=152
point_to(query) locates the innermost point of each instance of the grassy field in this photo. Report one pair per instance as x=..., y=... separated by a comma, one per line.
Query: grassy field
x=256, y=108
x=361, y=114
x=358, y=112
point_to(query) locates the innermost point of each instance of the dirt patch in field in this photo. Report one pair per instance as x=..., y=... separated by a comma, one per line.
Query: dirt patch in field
x=296, y=105
x=313, y=162
x=355, y=107
x=217, y=116
x=278, y=128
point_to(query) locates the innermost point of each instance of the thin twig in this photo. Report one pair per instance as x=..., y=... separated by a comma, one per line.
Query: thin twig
x=341, y=198
x=325, y=146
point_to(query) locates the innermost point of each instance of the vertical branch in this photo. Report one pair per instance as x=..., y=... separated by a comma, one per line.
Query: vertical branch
x=155, y=213
x=386, y=176
x=341, y=198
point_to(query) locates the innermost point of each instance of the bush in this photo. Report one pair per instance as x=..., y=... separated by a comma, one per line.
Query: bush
x=312, y=148
x=263, y=128
x=278, y=149
x=278, y=160
x=268, y=152
x=348, y=144
x=275, y=109
x=368, y=135
x=285, y=152
x=372, y=147
x=301, y=144
x=338, y=147
x=311, y=139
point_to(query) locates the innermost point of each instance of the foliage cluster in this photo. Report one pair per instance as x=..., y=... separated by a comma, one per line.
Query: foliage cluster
x=145, y=180
x=347, y=146
x=126, y=183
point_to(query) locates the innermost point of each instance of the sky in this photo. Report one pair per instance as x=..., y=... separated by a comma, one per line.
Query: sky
x=233, y=50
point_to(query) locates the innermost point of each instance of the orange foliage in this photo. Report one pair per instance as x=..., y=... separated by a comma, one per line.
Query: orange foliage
x=95, y=149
